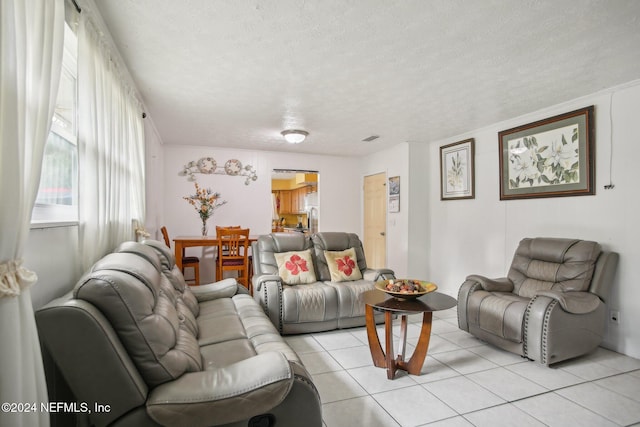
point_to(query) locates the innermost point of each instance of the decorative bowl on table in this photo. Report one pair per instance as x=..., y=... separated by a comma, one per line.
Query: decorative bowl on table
x=405, y=288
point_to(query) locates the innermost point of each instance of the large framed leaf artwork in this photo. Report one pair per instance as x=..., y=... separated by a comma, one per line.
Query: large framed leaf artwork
x=457, y=176
x=549, y=158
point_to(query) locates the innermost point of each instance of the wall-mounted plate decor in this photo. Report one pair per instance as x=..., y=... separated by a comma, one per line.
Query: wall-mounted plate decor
x=233, y=167
x=208, y=165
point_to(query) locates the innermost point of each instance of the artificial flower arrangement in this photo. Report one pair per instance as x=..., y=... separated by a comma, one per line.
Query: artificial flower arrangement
x=205, y=202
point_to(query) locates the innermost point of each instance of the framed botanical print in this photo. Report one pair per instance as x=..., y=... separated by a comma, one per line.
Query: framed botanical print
x=549, y=158
x=457, y=174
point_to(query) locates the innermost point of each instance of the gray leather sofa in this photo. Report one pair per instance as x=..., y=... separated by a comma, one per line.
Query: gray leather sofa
x=550, y=307
x=319, y=306
x=134, y=337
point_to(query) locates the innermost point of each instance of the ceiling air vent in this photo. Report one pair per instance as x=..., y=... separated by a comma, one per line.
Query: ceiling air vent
x=371, y=138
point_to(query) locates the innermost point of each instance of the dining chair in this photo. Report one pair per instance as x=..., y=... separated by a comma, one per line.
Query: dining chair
x=233, y=253
x=250, y=257
x=187, y=261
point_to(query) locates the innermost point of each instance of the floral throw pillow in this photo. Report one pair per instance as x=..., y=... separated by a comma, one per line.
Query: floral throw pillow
x=343, y=265
x=296, y=268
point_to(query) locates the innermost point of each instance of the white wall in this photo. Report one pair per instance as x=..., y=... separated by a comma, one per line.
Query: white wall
x=250, y=205
x=408, y=230
x=480, y=235
x=392, y=162
x=417, y=210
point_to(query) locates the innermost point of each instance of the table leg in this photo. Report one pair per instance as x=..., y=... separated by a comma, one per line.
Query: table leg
x=403, y=337
x=374, y=341
x=385, y=358
x=388, y=337
x=414, y=366
x=178, y=253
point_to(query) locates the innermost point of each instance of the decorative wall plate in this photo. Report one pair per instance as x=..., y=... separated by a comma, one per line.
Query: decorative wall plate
x=207, y=165
x=233, y=167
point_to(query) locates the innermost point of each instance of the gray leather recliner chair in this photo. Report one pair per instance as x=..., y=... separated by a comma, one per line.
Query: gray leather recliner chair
x=550, y=307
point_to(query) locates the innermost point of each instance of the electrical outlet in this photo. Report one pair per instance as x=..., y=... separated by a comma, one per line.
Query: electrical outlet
x=614, y=316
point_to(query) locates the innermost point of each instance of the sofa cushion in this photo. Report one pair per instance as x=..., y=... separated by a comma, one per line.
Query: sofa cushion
x=315, y=302
x=499, y=313
x=349, y=295
x=343, y=265
x=296, y=267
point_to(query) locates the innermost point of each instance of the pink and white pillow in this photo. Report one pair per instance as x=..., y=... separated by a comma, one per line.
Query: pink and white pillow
x=343, y=265
x=296, y=268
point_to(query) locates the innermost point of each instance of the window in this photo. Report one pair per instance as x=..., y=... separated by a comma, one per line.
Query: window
x=57, y=198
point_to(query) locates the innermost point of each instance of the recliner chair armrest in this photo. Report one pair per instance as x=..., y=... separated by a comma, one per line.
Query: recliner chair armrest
x=502, y=284
x=574, y=302
x=258, y=281
x=225, y=288
x=375, y=274
x=225, y=395
x=267, y=291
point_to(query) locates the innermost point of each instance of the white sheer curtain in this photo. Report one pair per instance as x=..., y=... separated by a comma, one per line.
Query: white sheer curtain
x=111, y=149
x=31, y=44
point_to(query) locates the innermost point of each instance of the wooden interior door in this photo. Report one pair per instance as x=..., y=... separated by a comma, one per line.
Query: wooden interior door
x=375, y=220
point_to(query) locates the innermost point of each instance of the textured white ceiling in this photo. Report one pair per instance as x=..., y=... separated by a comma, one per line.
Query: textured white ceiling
x=234, y=73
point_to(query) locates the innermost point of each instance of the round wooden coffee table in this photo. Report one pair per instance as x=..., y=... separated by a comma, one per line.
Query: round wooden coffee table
x=376, y=300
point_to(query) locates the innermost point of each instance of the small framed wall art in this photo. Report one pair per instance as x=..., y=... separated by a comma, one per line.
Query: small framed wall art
x=394, y=194
x=549, y=158
x=457, y=170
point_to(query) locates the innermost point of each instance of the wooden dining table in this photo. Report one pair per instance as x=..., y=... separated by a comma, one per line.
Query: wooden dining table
x=182, y=242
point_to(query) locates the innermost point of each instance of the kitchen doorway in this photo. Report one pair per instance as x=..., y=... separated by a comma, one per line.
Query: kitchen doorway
x=295, y=201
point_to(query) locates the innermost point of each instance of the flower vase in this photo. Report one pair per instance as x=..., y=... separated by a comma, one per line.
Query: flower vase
x=205, y=228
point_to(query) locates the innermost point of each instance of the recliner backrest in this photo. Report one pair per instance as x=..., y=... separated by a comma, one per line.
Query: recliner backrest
x=173, y=273
x=335, y=241
x=557, y=264
x=270, y=244
x=128, y=290
x=181, y=296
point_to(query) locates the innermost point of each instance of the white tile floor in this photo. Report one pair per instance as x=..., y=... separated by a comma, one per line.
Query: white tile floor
x=466, y=382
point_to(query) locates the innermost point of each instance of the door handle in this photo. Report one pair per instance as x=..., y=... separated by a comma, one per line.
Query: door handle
x=382, y=233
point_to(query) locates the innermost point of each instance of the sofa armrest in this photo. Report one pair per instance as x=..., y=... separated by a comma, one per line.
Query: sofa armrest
x=375, y=274
x=502, y=284
x=225, y=288
x=267, y=291
x=259, y=281
x=574, y=302
x=225, y=395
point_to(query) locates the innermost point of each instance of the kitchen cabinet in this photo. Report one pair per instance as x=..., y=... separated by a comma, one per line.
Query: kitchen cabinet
x=295, y=205
x=292, y=201
x=297, y=199
x=285, y=201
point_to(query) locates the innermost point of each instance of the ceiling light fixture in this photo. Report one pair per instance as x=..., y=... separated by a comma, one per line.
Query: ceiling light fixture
x=294, y=136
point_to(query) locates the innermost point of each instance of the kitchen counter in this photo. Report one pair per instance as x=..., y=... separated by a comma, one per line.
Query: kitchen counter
x=296, y=230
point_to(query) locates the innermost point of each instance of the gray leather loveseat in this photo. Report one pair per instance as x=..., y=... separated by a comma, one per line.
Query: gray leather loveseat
x=134, y=338
x=328, y=299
